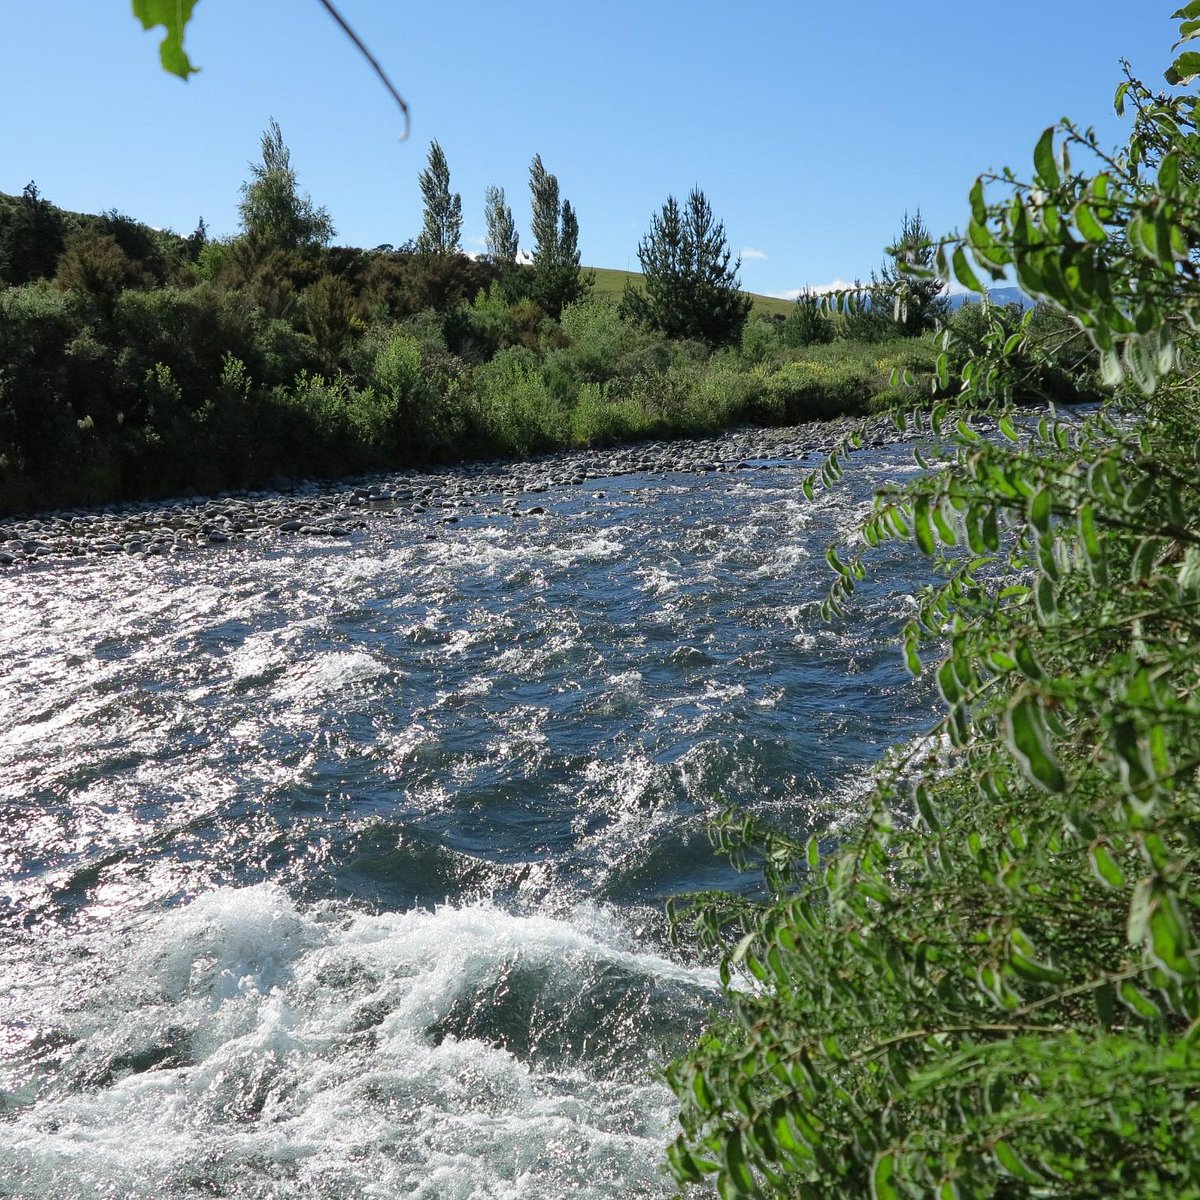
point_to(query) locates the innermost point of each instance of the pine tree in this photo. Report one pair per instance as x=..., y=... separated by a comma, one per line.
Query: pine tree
x=274, y=214
x=442, y=230
x=690, y=287
x=915, y=303
x=502, y=239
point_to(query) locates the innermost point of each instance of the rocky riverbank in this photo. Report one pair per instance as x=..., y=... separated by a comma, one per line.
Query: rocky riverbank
x=433, y=497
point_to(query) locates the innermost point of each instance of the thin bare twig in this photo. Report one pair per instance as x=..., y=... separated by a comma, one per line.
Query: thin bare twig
x=358, y=42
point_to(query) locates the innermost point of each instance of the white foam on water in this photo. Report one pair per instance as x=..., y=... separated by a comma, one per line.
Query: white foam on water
x=244, y=1047
x=329, y=672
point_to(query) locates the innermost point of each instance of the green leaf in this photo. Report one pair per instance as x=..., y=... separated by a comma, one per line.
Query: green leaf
x=925, y=808
x=1027, y=662
x=1023, y=958
x=812, y=853
x=1045, y=599
x=1039, y=510
x=174, y=16
x=1026, y=737
x=1168, y=937
x=1168, y=174
x=922, y=525
x=1184, y=69
x=1088, y=223
x=735, y=1165
x=963, y=272
x=1011, y=1162
x=978, y=203
x=1105, y=866
x=948, y=683
x=912, y=656
x=1144, y=559
x=1044, y=162
x=883, y=1178
x=1138, y=1002
x=683, y=1165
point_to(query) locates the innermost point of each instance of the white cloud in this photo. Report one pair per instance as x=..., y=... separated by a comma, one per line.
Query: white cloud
x=748, y=252
x=818, y=289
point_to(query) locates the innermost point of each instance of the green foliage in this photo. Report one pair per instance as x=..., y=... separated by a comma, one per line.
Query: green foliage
x=908, y=289
x=690, y=285
x=807, y=324
x=94, y=265
x=513, y=408
x=330, y=316
x=274, y=214
x=761, y=339
x=173, y=16
x=1039, y=353
x=992, y=988
x=812, y=391
x=31, y=238
x=502, y=238
x=556, y=279
x=441, y=232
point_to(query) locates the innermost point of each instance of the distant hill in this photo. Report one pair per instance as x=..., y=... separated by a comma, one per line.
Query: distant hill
x=612, y=283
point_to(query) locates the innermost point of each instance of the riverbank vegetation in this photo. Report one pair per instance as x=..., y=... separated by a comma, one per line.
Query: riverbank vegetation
x=993, y=988
x=136, y=362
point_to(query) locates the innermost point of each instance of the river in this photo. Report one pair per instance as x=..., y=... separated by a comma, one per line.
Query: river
x=336, y=867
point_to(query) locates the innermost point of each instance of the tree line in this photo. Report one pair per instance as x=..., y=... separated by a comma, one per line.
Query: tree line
x=141, y=362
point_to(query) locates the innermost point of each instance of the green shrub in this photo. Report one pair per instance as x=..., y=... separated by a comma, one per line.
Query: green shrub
x=599, y=419
x=991, y=987
x=762, y=339
x=806, y=324
x=513, y=410
x=812, y=391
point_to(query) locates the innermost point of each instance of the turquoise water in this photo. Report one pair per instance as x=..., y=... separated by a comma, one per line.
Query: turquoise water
x=337, y=870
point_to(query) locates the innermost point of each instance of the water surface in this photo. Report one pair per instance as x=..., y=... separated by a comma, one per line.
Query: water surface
x=336, y=869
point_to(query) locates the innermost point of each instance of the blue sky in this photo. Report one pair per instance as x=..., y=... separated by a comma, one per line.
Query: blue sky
x=811, y=127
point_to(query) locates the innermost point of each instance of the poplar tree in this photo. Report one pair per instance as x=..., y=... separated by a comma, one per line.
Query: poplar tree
x=502, y=239
x=557, y=279
x=442, y=230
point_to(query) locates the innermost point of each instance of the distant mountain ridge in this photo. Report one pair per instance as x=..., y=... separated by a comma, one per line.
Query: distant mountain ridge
x=1004, y=295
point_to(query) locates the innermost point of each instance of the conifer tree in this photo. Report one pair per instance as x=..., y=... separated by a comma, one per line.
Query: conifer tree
x=442, y=230
x=915, y=303
x=690, y=287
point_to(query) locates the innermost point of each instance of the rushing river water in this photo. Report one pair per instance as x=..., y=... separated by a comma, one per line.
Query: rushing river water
x=336, y=868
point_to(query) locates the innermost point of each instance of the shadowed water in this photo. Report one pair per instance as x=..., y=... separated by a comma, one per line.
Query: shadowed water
x=336, y=870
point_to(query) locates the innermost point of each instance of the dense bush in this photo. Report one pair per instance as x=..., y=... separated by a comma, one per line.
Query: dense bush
x=992, y=987
x=157, y=363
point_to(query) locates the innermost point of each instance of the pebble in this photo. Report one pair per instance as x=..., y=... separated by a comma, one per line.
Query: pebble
x=414, y=497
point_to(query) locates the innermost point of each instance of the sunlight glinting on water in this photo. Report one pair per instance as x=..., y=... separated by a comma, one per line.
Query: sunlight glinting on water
x=338, y=869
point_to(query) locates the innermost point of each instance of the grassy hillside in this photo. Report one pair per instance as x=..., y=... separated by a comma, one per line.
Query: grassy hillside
x=612, y=283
